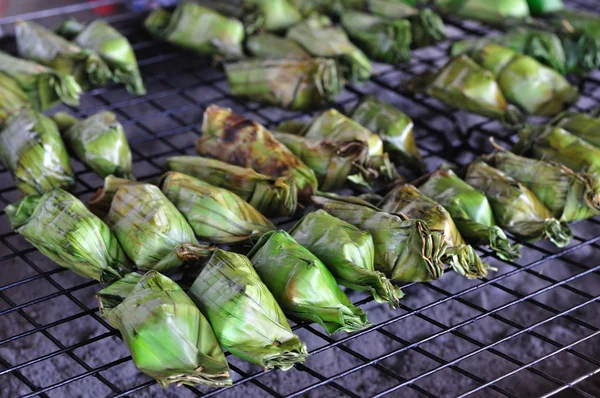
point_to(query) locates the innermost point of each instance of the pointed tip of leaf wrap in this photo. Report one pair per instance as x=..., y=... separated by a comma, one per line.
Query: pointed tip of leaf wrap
x=465, y=261
x=558, y=232
x=502, y=246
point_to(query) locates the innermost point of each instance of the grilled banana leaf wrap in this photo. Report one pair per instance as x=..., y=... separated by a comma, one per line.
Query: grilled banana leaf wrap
x=100, y=202
x=111, y=45
x=99, y=141
x=269, y=15
x=12, y=98
x=347, y=252
x=31, y=147
x=199, y=29
x=271, y=46
x=492, y=12
x=215, y=214
x=463, y=84
x=586, y=127
x=152, y=232
x=65, y=231
x=245, y=316
x=395, y=129
x=36, y=43
x=155, y=316
x=321, y=38
x=516, y=208
x=298, y=84
x=405, y=250
x=272, y=197
x=302, y=284
x=44, y=87
x=471, y=212
x=233, y=138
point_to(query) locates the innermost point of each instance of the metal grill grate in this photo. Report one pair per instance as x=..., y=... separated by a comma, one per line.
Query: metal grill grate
x=530, y=329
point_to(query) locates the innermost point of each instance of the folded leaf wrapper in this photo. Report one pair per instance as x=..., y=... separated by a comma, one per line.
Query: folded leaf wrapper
x=64, y=230
x=270, y=15
x=231, y=137
x=31, y=147
x=322, y=39
x=43, y=86
x=581, y=125
x=289, y=83
x=302, y=285
x=245, y=316
x=152, y=232
x=41, y=45
x=405, y=250
x=100, y=203
x=12, y=98
x=273, y=197
x=568, y=195
x=470, y=211
x=347, y=252
x=99, y=142
x=112, y=46
x=155, y=316
x=270, y=46
x=516, y=208
x=215, y=214
x=395, y=129
x=493, y=12
x=199, y=29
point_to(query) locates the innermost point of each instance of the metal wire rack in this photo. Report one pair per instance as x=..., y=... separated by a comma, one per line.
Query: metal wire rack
x=530, y=329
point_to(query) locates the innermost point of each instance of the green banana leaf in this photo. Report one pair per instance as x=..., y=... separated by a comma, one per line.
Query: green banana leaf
x=405, y=250
x=199, y=29
x=470, y=211
x=581, y=125
x=538, y=7
x=347, y=252
x=245, y=316
x=289, y=83
x=44, y=86
x=270, y=46
x=516, y=208
x=270, y=15
x=12, y=98
x=152, y=232
x=98, y=141
x=36, y=43
x=64, y=230
x=302, y=285
x=31, y=147
x=231, y=137
x=492, y=12
x=273, y=197
x=578, y=22
x=327, y=7
x=100, y=202
x=215, y=214
x=155, y=316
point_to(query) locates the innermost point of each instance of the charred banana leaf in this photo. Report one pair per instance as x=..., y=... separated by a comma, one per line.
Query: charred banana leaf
x=302, y=284
x=516, y=208
x=245, y=316
x=154, y=315
x=270, y=46
x=232, y=137
x=64, y=230
x=347, y=252
x=273, y=197
x=581, y=125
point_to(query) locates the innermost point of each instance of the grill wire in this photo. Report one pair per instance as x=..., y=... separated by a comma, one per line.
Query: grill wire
x=530, y=329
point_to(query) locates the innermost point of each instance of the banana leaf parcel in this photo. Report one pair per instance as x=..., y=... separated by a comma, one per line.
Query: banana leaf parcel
x=64, y=230
x=245, y=316
x=299, y=84
x=31, y=147
x=152, y=232
x=155, y=316
x=347, y=252
x=272, y=197
x=327, y=7
x=233, y=138
x=100, y=203
x=41, y=45
x=535, y=88
x=551, y=143
x=516, y=208
x=322, y=39
x=98, y=141
x=12, y=98
x=199, y=29
x=270, y=46
x=471, y=212
x=215, y=214
x=463, y=84
x=334, y=162
x=494, y=12
x=581, y=125
x=405, y=250
x=270, y=15
x=568, y=195
x=112, y=46
x=302, y=285
x=395, y=129
x=43, y=86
